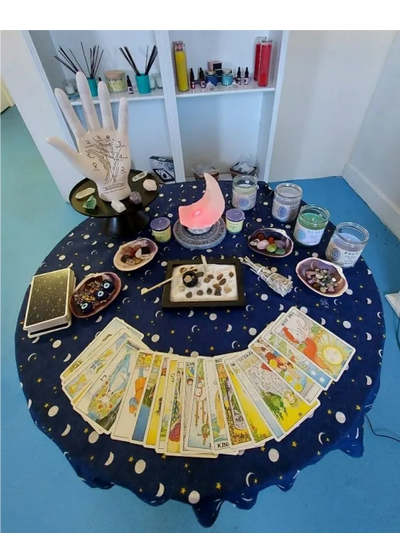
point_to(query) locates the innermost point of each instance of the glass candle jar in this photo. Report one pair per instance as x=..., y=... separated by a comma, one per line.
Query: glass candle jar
x=310, y=225
x=161, y=229
x=181, y=66
x=227, y=76
x=346, y=244
x=244, y=192
x=287, y=198
x=116, y=81
x=234, y=220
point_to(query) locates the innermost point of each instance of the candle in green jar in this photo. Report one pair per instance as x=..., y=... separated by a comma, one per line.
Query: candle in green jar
x=310, y=225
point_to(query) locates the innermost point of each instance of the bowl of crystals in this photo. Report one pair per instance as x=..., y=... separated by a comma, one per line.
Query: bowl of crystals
x=271, y=242
x=322, y=277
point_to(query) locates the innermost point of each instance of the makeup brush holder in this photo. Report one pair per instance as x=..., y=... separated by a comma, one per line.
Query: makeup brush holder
x=143, y=84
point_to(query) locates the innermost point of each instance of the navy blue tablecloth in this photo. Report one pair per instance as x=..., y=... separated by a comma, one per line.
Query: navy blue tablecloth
x=356, y=316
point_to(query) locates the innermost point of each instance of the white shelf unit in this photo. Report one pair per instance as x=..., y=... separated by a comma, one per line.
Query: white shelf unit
x=192, y=127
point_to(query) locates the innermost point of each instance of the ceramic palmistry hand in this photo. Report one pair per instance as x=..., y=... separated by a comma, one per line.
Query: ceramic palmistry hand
x=103, y=152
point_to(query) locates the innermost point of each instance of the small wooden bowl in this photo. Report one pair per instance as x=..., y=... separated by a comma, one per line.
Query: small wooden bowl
x=103, y=276
x=310, y=264
x=277, y=234
x=125, y=249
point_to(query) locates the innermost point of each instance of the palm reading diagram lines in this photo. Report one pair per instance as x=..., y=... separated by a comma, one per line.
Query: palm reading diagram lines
x=108, y=153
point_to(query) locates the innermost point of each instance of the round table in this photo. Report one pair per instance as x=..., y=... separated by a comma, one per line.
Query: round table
x=356, y=316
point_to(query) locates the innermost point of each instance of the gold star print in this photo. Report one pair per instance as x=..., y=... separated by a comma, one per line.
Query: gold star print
x=130, y=459
x=49, y=429
x=294, y=444
x=212, y=348
x=101, y=262
x=39, y=380
x=317, y=304
x=244, y=327
x=91, y=457
x=218, y=485
x=140, y=490
x=86, y=430
x=361, y=286
x=75, y=337
x=46, y=405
x=360, y=318
x=280, y=477
x=186, y=351
x=183, y=490
x=54, y=356
x=359, y=357
x=54, y=388
x=186, y=465
x=318, y=452
x=172, y=331
x=255, y=481
x=329, y=412
x=358, y=408
x=263, y=448
x=137, y=316
x=328, y=439
x=163, y=456
x=352, y=381
x=228, y=310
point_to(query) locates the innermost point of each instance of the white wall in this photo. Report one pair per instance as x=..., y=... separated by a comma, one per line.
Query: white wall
x=36, y=103
x=46, y=51
x=329, y=80
x=373, y=169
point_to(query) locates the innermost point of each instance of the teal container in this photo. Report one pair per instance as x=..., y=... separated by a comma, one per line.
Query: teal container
x=227, y=77
x=143, y=84
x=93, y=86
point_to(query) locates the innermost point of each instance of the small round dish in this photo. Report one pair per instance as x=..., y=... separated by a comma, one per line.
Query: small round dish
x=305, y=271
x=271, y=242
x=94, y=293
x=135, y=254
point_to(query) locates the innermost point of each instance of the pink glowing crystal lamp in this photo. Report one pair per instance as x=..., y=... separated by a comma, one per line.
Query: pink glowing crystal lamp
x=200, y=225
x=207, y=211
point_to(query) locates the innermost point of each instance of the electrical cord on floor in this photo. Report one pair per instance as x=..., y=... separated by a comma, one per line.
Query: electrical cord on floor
x=380, y=434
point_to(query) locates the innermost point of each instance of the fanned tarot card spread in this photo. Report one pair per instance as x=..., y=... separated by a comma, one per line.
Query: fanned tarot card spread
x=330, y=353
x=114, y=327
x=203, y=407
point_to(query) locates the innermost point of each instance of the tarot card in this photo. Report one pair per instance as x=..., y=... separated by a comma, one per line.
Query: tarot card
x=294, y=377
x=259, y=429
x=239, y=433
x=299, y=359
x=190, y=368
x=166, y=407
x=173, y=443
x=276, y=429
x=326, y=350
x=198, y=436
x=150, y=438
x=102, y=399
x=77, y=383
x=285, y=405
x=132, y=400
x=220, y=437
x=111, y=329
x=148, y=401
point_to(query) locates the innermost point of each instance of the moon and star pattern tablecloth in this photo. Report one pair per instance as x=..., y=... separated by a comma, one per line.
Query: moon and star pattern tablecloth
x=356, y=317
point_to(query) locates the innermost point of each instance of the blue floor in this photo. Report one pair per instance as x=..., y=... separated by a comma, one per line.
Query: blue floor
x=40, y=491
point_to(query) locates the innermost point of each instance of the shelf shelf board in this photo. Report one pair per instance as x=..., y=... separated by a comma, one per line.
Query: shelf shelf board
x=220, y=90
x=156, y=94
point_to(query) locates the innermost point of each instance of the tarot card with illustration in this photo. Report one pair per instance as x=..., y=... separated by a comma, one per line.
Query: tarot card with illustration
x=153, y=424
x=103, y=398
x=166, y=407
x=286, y=406
x=111, y=329
x=173, y=440
x=198, y=436
x=132, y=401
x=330, y=353
x=238, y=431
x=294, y=376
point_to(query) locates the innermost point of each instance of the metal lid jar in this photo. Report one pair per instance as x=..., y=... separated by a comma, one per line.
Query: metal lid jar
x=287, y=198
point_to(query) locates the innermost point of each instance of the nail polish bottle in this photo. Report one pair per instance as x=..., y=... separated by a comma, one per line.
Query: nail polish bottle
x=129, y=84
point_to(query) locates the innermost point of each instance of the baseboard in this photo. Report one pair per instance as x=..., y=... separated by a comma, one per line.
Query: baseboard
x=381, y=205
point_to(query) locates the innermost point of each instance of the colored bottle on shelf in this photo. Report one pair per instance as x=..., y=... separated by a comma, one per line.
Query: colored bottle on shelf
x=246, y=77
x=191, y=77
x=181, y=66
x=202, y=78
x=257, y=57
x=264, y=63
x=239, y=77
x=129, y=84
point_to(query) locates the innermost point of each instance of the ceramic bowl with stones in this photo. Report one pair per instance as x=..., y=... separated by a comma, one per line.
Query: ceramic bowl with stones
x=271, y=242
x=135, y=254
x=94, y=293
x=322, y=277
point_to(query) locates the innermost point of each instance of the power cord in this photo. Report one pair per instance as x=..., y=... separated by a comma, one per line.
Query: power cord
x=380, y=434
